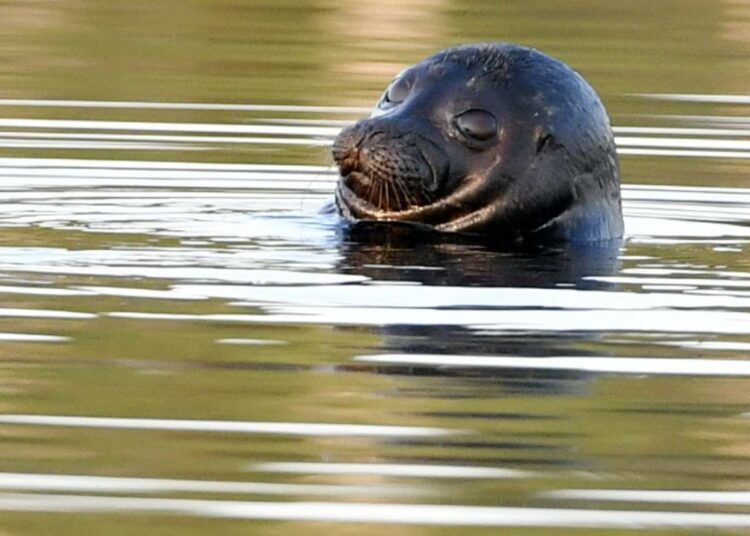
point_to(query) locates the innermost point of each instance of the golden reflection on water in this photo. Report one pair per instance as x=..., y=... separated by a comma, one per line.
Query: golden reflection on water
x=371, y=36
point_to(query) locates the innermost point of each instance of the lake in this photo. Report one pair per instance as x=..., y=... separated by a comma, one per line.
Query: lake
x=189, y=345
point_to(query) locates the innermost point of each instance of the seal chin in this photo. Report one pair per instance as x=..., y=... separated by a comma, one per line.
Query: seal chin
x=456, y=212
x=353, y=207
x=386, y=192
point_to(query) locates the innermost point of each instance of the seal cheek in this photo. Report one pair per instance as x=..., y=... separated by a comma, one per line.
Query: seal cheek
x=544, y=140
x=438, y=162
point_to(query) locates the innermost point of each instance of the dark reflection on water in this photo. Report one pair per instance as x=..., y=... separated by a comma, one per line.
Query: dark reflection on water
x=393, y=252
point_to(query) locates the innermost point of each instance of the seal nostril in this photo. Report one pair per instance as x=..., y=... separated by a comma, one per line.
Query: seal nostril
x=340, y=149
x=345, y=154
x=348, y=162
x=348, y=142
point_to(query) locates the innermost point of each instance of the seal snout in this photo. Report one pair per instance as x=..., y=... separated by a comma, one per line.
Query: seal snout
x=346, y=150
x=383, y=168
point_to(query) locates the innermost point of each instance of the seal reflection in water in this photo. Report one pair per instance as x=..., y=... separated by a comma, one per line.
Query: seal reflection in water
x=492, y=139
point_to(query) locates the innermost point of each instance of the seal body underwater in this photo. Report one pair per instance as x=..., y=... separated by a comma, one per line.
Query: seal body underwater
x=496, y=140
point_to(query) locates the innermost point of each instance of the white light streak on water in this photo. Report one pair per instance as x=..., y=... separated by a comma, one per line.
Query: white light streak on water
x=683, y=152
x=340, y=123
x=637, y=226
x=697, y=97
x=139, y=141
x=228, y=427
x=404, y=514
x=715, y=213
x=49, y=103
x=135, y=197
x=40, y=313
x=66, y=174
x=652, y=271
x=687, y=143
x=735, y=121
x=600, y=364
x=151, y=126
x=44, y=291
x=646, y=192
x=27, y=337
x=691, y=281
x=104, y=484
x=197, y=175
x=251, y=342
x=267, y=182
x=672, y=131
x=418, y=296
x=141, y=293
x=47, y=165
x=390, y=469
x=255, y=277
x=86, y=145
x=673, y=321
x=653, y=496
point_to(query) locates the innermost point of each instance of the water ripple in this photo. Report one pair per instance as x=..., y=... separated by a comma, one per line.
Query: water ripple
x=226, y=427
x=405, y=514
x=104, y=484
x=598, y=364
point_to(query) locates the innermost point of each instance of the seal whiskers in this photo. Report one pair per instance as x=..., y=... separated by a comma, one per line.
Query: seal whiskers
x=457, y=203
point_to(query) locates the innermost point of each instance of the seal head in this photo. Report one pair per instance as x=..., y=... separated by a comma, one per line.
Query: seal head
x=496, y=140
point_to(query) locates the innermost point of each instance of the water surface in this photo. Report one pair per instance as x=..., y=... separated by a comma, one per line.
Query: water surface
x=187, y=344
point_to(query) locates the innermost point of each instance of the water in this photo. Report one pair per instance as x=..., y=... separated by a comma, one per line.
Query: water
x=189, y=345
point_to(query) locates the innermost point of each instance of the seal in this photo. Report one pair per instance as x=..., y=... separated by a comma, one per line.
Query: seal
x=496, y=140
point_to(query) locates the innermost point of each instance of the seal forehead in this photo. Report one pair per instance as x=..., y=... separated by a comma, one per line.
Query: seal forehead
x=492, y=61
x=441, y=83
x=491, y=75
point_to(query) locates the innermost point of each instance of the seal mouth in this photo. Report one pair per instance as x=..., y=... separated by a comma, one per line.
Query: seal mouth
x=455, y=212
x=385, y=193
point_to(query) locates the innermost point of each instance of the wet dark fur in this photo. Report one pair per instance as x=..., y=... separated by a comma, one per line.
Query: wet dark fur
x=552, y=174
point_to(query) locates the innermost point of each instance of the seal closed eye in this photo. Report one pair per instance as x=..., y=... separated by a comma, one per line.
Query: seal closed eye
x=491, y=139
